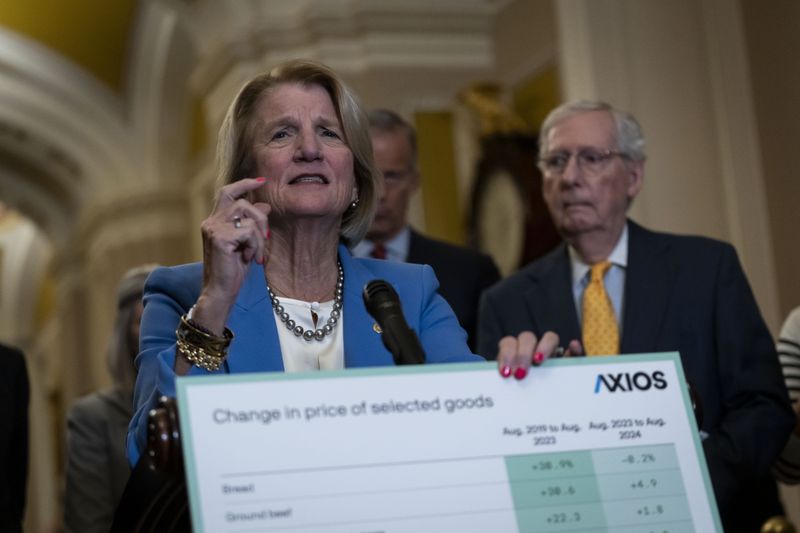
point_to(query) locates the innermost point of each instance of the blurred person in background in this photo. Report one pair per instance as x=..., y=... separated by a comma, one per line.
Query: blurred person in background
x=463, y=273
x=615, y=287
x=97, y=469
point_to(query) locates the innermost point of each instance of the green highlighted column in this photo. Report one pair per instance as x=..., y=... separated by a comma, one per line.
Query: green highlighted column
x=555, y=492
x=625, y=489
x=642, y=486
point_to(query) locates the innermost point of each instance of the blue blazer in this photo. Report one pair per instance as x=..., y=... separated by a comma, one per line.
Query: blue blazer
x=171, y=291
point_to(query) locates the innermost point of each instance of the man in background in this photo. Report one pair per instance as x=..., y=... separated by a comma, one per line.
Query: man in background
x=615, y=287
x=463, y=274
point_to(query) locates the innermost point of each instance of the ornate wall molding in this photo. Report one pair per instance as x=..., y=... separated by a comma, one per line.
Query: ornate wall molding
x=364, y=41
x=67, y=132
x=161, y=60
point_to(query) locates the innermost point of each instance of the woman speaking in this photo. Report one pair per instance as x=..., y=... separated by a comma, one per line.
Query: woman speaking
x=277, y=289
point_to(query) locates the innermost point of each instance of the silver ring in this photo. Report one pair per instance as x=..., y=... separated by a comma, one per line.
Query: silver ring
x=237, y=221
x=559, y=352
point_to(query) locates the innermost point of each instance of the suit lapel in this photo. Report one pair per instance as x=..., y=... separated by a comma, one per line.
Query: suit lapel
x=649, y=279
x=414, y=243
x=549, y=299
x=255, y=347
x=362, y=344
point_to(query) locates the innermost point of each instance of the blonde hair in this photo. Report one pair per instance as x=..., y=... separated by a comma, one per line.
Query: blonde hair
x=235, y=159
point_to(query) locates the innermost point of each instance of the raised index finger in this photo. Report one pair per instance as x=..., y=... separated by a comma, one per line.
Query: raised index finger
x=233, y=191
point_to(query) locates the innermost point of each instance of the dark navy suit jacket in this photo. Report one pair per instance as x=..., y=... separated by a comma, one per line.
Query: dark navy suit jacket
x=685, y=294
x=14, y=398
x=170, y=292
x=463, y=275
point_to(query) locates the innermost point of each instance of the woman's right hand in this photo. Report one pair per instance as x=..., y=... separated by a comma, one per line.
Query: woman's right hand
x=235, y=234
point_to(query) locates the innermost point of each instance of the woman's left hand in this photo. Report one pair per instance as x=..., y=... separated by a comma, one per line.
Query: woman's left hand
x=516, y=354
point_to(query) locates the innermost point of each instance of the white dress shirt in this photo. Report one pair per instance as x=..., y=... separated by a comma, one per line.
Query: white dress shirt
x=396, y=247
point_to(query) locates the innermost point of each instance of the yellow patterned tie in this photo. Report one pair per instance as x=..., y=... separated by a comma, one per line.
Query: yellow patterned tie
x=600, y=334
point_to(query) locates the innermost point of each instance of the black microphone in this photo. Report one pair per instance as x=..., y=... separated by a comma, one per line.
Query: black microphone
x=383, y=304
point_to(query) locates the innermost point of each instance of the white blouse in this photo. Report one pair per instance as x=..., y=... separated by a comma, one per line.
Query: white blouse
x=300, y=355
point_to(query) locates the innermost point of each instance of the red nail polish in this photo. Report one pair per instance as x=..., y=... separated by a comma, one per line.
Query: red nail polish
x=538, y=357
x=505, y=371
x=520, y=373
x=261, y=179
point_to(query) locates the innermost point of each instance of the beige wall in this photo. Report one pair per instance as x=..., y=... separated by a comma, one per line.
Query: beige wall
x=773, y=47
x=525, y=39
x=681, y=68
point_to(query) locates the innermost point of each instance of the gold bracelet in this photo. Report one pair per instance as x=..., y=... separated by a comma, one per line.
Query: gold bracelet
x=198, y=356
x=200, y=347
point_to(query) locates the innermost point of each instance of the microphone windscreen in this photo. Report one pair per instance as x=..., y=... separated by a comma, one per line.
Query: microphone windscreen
x=380, y=297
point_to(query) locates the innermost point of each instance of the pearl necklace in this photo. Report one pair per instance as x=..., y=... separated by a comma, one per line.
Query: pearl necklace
x=319, y=333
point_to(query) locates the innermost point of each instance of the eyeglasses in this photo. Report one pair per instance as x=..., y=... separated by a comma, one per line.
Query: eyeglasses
x=590, y=160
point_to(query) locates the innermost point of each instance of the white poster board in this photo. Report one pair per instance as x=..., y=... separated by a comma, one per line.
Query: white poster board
x=581, y=444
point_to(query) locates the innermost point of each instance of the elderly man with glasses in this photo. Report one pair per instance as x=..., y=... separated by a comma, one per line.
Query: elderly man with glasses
x=615, y=287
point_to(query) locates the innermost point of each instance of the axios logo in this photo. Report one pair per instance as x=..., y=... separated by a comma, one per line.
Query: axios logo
x=627, y=382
